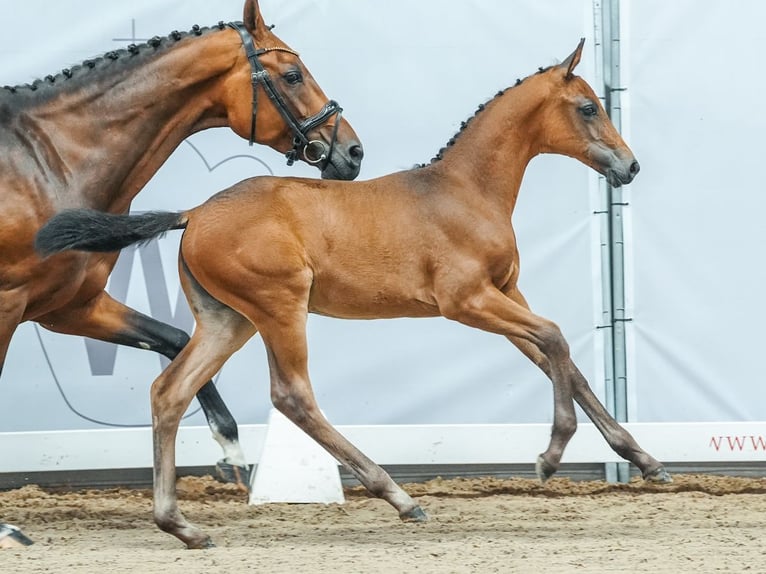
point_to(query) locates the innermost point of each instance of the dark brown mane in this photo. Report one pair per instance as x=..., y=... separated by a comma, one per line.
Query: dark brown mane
x=129, y=57
x=440, y=154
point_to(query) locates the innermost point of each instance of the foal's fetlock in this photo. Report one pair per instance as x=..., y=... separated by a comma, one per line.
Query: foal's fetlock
x=658, y=476
x=416, y=514
x=544, y=469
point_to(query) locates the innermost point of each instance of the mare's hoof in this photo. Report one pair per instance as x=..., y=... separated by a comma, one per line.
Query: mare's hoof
x=203, y=544
x=12, y=537
x=543, y=469
x=232, y=474
x=414, y=515
x=659, y=476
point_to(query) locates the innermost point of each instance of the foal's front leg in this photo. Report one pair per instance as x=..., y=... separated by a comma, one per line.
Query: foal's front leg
x=541, y=340
x=619, y=439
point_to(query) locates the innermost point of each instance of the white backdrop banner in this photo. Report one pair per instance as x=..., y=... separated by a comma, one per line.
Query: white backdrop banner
x=697, y=234
x=407, y=73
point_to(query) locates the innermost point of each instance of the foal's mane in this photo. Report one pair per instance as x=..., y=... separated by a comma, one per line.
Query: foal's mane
x=440, y=154
x=130, y=57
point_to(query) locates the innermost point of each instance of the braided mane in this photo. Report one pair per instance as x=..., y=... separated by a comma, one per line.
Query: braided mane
x=440, y=154
x=133, y=53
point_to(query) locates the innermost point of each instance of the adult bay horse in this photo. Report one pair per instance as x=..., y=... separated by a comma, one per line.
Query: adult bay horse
x=93, y=135
x=435, y=240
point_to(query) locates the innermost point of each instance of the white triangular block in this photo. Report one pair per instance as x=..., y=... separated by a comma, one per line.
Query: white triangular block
x=294, y=468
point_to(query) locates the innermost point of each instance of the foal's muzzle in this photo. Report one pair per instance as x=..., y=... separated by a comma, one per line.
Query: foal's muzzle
x=622, y=174
x=619, y=166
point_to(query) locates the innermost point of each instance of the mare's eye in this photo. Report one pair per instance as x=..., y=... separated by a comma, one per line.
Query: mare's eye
x=293, y=77
x=589, y=110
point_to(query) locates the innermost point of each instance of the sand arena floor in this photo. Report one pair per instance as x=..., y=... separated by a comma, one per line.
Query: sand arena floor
x=698, y=524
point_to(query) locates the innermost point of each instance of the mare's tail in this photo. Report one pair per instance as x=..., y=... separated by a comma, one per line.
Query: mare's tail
x=90, y=230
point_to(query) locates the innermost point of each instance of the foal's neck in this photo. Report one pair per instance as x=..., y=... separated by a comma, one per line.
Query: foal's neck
x=495, y=147
x=109, y=137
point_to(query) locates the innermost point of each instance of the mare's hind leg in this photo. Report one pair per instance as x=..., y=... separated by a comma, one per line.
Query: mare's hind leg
x=106, y=319
x=284, y=333
x=542, y=341
x=220, y=332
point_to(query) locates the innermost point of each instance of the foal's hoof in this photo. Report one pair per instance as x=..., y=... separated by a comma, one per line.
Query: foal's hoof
x=543, y=469
x=12, y=537
x=201, y=544
x=232, y=474
x=659, y=476
x=414, y=515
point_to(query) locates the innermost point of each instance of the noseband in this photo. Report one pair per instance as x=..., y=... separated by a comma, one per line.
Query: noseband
x=314, y=151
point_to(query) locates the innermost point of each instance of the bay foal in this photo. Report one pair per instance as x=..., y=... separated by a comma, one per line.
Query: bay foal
x=438, y=240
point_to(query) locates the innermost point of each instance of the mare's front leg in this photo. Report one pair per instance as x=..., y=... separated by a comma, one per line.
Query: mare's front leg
x=542, y=342
x=291, y=393
x=11, y=311
x=106, y=319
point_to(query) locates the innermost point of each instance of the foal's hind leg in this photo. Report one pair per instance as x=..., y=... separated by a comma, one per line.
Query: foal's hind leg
x=106, y=319
x=542, y=341
x=220, y=332
x=291, y=393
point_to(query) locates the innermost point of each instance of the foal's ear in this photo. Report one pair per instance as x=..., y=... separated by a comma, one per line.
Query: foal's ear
x=252, y=19
x=573, y=59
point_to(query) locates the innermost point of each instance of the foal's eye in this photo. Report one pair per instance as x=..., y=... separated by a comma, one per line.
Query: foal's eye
x=589, y=110
x=293, y=77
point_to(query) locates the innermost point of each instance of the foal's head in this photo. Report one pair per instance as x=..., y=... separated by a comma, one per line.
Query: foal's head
x=575, y=124
x=302, y=96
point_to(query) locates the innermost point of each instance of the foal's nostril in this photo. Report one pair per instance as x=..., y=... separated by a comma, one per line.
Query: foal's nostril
x=356, y=153
x=634, y=168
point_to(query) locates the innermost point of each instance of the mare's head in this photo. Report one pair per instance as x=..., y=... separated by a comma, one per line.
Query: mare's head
x=293, y=114
x=575, y=124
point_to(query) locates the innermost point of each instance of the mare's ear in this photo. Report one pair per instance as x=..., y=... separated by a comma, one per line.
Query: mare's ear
x=573, y=59
x=253, y=20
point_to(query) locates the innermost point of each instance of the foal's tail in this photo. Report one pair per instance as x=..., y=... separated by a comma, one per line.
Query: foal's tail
x=90, y=230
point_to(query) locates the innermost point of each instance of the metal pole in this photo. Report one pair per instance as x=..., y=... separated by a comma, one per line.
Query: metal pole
x=602, y=212
x=607, y=35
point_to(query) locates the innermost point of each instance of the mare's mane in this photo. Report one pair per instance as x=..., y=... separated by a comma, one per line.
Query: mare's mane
x=94, y=68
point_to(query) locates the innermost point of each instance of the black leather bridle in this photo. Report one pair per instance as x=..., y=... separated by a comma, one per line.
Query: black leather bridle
x=314, y=151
